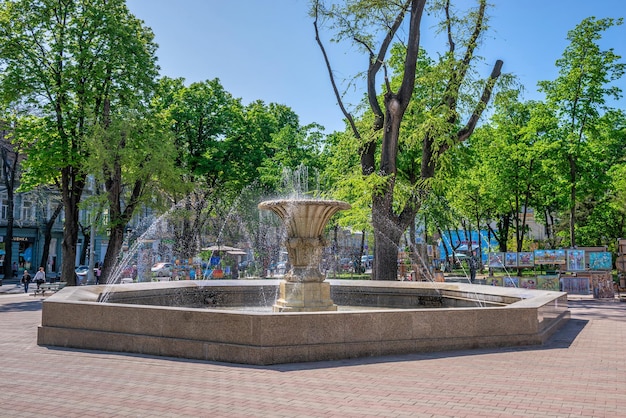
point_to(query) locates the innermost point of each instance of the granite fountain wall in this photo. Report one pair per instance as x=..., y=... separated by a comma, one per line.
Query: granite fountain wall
x=187, y=319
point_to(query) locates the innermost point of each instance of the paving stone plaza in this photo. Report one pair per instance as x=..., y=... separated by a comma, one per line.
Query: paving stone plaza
x=580, y=372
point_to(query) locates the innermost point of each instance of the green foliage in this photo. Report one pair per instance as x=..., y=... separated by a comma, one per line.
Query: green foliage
x=290, y=148
x=66, y=61
x=578, y=100
x=73, y=64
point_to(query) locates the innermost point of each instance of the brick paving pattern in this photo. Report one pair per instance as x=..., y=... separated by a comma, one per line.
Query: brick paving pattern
x=580, y=372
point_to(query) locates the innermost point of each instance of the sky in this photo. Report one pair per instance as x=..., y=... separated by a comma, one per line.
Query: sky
x=266, y=49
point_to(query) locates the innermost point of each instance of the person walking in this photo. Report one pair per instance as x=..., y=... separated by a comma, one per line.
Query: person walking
x=40, y=277
x=26, y=279
x=14, y=268
x=473, y=266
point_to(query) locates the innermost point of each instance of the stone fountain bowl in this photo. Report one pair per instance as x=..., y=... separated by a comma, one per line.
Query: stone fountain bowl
x=204, y=320
x=305, y=218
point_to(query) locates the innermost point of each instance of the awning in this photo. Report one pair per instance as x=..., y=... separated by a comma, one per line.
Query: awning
x=237, y=252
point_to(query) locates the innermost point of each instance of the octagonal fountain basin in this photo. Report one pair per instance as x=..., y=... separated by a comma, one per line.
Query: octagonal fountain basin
x=232, y=321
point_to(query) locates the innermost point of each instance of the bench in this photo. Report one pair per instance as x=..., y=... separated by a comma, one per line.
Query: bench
x=49, y=287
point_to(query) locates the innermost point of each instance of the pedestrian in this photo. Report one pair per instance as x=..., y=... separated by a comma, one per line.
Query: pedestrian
x=26, y=279
x=473, y=266
x=98, y=273
x=40, y=277
x=14, y=267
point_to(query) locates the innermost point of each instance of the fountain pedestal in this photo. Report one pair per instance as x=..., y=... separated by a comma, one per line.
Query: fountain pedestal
x=304, y=297
x=303, y=289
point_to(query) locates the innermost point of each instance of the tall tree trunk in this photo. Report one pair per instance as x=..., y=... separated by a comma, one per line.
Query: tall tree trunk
x=73, y=184
x=116, y=239
x=10, y=172
x=70, y=237
x=47, y=235
x=572, y=209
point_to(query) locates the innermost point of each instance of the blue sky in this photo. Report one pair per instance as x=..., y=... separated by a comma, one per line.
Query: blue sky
x=266, y=50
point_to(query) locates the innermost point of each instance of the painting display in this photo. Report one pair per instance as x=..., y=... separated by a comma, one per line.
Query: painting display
x=550, y=257
x=600, y=261
x=526, y=259
x=494, y=281
x=576, y=260
x=496, y=260
x=510, y=259
x=575, y=285
x=511, y=282
x=548, y=282
x=528, y=283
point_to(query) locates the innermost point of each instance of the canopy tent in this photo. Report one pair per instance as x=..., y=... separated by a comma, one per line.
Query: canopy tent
x=464, y=247
x=221, y=248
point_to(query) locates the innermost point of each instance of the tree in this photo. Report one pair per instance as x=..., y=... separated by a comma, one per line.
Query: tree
x=133, y=158
x=364, y=23
x=578, y=98
x=70, y=60
x=229, y=154
x=10, y=174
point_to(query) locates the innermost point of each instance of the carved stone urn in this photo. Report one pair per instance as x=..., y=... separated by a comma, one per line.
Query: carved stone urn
x=303, y=288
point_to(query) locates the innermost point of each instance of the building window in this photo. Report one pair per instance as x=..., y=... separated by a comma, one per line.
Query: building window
x=4, y=209
x=28, y=210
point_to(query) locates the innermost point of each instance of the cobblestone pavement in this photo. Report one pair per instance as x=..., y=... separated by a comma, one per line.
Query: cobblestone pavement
x=580, y=372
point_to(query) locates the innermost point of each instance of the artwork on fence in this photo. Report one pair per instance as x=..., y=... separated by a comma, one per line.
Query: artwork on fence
x=511, y=282
x=600, y=261
x=494, y=281
x=528, y=283
x=575, y=260
x=548, y=282
x=550, y=257
x=510, y=259
x=526, y=259
x=496, y=260
x=575, y=285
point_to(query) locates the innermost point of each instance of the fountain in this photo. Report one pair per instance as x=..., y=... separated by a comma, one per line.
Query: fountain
x=303, y=288
x=203, y=319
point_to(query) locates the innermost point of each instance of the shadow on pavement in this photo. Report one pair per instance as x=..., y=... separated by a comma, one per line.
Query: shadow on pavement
x=22, y=306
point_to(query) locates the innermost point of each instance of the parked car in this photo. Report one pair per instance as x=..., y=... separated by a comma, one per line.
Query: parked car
x=162, y=270
x=346, y=264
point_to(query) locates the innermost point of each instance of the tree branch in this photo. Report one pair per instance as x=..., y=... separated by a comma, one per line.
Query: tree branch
x=345, y=112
